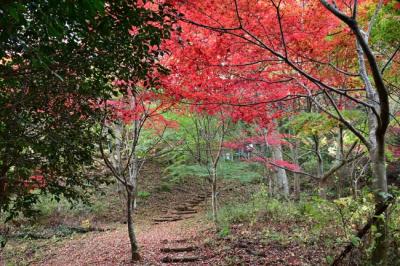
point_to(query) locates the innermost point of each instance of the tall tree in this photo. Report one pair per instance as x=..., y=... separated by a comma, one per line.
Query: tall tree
x=57, y=60
x=280, y=50
x=123, y=129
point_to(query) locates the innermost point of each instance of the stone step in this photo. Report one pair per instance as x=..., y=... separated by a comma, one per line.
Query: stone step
x=167, y=219
x=184, y=212
x=179, y=259
x=194, y=201
x=178, y=249
x=182, y=208
x=170, y=216
x=182, y=240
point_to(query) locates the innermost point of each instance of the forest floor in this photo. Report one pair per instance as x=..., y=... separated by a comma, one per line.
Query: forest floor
x=172, y=227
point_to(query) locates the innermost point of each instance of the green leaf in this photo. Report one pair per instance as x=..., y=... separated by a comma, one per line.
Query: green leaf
x=355, y=241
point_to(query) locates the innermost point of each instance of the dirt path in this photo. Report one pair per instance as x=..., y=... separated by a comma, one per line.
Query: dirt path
x=175, y=236
x=112, y=248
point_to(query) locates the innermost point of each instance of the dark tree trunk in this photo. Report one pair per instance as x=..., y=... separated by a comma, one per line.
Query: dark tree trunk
x=214, y=197
x=131, y=227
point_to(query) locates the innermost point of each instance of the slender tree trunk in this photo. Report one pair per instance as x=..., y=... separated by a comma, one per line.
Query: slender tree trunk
x=320, y=167
x=214, y=197
x=377, y=157
x=133, y=171
x=282, y=180
x=131, y=227
x=296, y=177
x=378, y=98
x=3, y=187
x=3, y=190
x=270, y=186
x=339, y=158
x=379, y=254
x=355, y=187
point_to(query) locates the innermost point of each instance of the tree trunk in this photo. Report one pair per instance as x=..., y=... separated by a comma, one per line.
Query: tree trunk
x=131, y=227
x=320, y=167
x=355, y=188
x=339, y=158
x=3, y=189
x=377, y=157
x=214, y=197
x=322, y=188
x=378, y=98
x=282, y=180
x=379, y=254
x=270, y=186
x=133, y=171
x=296, y=177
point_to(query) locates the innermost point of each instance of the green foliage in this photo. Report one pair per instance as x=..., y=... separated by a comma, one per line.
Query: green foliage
x=275, y=236
x=143, y=194
x=308, y=123
x=3, y=241
x=312, y=220
x=329, y=259
x=235, y=213
x=179, y=170
x=394, y=229
x=260, y=207
x=243, y=171
x=47, y=206
x=57, y=60
x=385, y=36
x=224, y=232
x=386, y=29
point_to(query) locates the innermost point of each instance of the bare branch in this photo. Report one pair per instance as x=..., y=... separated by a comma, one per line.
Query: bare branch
x=390, y=60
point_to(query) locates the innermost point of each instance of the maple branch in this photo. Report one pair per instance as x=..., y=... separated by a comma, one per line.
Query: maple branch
x=332, y=66
x=245, y=64
x=390, y=60
x=338, y=118
x=299, y=70
x=373, y=18
x=105, y=158
x=137, y=129
x=217, y=29
x=279, y=17
x=284, y=98
x=330, y=172
x=262, y=80
x=293, y=171
x=342, y=71
x=354, y=15
x=376, y=74
x=334, y=10
x=265, y=31
x=237, y=14
x=334, y=105
x=342, y=163
x=154, y=144
x=258, y=42
x=338, y=111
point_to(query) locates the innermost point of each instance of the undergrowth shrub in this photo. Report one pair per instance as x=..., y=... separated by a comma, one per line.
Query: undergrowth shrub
x=314, y=220
x=314, y=214
x=143, y=194
x=245, y=172
x=51, y=211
